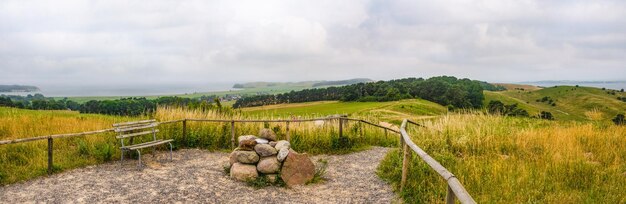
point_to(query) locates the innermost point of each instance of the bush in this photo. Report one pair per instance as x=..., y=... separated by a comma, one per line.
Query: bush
x=546, y=115
x=619, y=119
x=104, y=152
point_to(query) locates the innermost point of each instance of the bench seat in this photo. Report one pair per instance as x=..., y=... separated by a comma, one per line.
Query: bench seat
x=147, y=144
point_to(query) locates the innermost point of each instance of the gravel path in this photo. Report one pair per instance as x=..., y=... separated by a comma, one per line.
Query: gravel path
x=197, y=176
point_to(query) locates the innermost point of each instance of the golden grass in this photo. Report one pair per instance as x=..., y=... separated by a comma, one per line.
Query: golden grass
x=517, y=160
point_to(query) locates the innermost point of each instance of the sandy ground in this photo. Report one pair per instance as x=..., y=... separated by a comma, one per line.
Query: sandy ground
x=197, y=176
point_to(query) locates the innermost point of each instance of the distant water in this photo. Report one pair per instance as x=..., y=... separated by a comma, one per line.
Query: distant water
x=609, y=85
x=140, y=90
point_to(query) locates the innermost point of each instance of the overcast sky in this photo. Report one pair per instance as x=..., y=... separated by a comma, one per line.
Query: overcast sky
x=165, y=41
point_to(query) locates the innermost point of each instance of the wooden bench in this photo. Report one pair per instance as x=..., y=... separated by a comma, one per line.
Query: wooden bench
x=130, y=130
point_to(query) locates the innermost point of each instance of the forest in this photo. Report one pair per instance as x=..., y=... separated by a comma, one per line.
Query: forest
x=133, y=106
x=445, y=90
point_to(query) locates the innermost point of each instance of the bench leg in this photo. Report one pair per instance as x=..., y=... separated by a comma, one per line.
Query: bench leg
x=170, y=151
x=122, y=159
x=139, y=164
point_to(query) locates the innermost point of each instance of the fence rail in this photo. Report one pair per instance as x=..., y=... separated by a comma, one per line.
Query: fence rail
x=455, y=188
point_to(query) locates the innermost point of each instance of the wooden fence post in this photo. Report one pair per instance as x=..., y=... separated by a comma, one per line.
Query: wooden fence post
x=450, y=196
x=340, y=127
x=232, y=134
x=405, y=166
x=50, y=155
x=185, y=133
x=287, y=132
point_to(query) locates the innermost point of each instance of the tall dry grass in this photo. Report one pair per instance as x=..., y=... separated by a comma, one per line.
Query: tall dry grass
x=305, y=136
x=28, y=160
x=516, y=160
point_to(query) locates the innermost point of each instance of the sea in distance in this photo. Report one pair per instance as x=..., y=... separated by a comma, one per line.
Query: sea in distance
x=124, y=90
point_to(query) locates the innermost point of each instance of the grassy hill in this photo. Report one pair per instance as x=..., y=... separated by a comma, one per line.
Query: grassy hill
x=571, y=103
x=393, y=111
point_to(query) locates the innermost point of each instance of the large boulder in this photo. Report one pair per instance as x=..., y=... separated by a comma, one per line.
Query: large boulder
x=243, y=172
x=268, y=134
x=247, y=157
x=268, y=165
x=282, y=144
x=297, y=169
x=282, y=154
x=265, y=150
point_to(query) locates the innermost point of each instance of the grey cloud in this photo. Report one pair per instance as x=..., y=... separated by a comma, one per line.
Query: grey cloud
x=99, y=42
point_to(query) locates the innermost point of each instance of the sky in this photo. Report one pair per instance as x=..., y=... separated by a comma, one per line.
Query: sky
x=83, y=43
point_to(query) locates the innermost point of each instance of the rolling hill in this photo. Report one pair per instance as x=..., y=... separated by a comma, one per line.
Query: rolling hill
x=570, y=102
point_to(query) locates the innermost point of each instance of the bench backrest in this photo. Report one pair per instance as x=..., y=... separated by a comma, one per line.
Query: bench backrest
x=136, y=128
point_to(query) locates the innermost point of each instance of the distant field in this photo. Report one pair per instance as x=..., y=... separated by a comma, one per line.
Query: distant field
x=572, y=103
x=247, y=91
x=390, y=111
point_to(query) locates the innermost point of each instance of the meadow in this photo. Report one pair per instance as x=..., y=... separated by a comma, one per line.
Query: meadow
x=515, y=160
x=570, y=102
x=498, y=159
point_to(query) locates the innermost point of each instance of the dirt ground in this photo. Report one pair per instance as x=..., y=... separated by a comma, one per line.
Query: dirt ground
x=197, y=176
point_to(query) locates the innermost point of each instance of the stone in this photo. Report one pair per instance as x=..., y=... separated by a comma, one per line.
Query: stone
x=271, y=178
x=265, y=150
x=282, y=144
x=261, y=141
x=268, y=134
x=247, y=144
x=246, y=137
x=268, y=165
x=232, y=158
x=297, y=169
x=243, y=172
x=282, y=154
x=273, y=143
x=247, y=157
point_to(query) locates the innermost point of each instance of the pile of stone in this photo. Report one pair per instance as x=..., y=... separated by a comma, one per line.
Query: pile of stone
x=264, y=156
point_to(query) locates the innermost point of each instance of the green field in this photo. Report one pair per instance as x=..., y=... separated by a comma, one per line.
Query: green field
x=393, y=111
x=247, y=91
x=572, y=103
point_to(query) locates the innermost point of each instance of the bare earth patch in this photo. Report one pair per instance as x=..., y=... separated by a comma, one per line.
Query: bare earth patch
x=198, y=176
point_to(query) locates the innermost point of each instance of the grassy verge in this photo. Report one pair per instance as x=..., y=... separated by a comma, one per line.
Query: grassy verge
x=516, y=160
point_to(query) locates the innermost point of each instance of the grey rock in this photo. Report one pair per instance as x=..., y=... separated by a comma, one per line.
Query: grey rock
x=282, y=154
x=273, y=143
x=261, y=141
x=265, y=150
x=247, y=157
x=282, y=144
x=268, y=165
x=268, y=134
x=246, y=137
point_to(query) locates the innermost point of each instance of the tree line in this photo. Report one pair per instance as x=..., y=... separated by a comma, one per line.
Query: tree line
x=132, y=106
x=444, y=90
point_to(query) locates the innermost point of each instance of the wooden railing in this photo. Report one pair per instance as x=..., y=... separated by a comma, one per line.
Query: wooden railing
x=455, y=188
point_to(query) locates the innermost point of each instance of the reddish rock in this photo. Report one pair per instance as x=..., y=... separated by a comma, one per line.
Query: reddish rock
x=297, y=169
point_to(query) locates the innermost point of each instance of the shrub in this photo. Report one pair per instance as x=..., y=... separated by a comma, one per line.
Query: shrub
x=619, y=119
x=546, y=115
x=104, y=152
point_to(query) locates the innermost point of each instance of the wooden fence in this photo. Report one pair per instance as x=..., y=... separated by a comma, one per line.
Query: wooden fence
x=455, y=188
